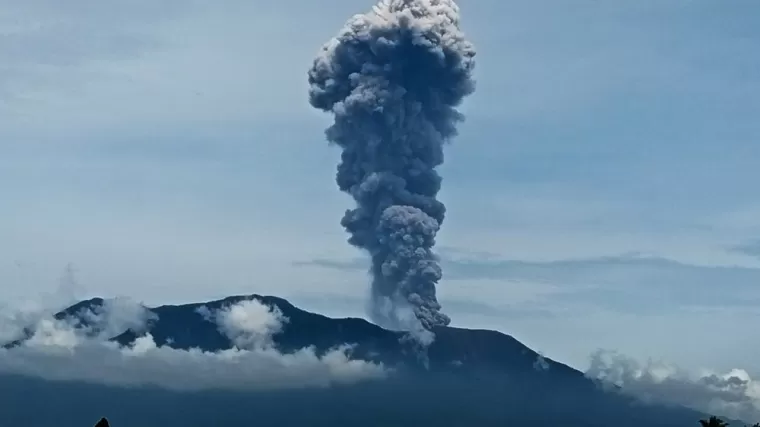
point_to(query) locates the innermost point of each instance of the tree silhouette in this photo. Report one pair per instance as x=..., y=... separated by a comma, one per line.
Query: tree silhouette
x=713, y=422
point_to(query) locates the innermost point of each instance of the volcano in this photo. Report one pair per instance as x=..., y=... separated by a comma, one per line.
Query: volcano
x=464, y=378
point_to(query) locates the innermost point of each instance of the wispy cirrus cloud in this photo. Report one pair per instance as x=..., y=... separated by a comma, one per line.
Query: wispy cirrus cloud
x=749, y=248
x=628, y=282
x=48, y=49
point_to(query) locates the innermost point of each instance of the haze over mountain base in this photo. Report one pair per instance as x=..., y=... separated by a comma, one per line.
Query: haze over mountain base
x=252, y=360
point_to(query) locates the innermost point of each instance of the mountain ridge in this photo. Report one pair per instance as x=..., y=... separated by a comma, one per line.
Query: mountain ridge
x=324, y=332
x=467, y=377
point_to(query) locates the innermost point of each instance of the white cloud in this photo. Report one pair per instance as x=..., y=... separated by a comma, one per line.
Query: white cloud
x=249, y=324
x=117, y=315
x=51, y=333
x=15, y=317
x=733, y=394
x=59, y=351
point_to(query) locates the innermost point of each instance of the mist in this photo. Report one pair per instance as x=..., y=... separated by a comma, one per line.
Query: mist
x=80, y=350
x=733, y=394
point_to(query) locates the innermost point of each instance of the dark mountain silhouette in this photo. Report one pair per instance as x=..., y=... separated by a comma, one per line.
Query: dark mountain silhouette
x=465, y=378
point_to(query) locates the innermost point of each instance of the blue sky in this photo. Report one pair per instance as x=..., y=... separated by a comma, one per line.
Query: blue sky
x=601, y=193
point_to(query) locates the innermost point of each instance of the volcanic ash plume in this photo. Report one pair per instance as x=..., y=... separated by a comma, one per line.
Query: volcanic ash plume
x=392, y=78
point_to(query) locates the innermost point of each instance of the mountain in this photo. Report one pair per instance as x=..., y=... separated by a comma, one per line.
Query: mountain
x=465, y=378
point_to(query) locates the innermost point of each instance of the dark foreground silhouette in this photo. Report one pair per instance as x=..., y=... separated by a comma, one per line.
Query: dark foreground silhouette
x=472, y=378
x=711, y=422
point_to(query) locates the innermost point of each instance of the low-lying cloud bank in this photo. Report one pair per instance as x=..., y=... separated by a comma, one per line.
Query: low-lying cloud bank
x=80, y=350
x=734, y=394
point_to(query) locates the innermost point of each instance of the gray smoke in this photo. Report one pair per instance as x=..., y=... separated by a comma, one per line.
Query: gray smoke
x=392, y=79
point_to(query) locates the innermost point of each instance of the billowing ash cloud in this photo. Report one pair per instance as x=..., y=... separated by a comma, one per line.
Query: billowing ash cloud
x=59, y=350
x=392, y=79
x=733, y=394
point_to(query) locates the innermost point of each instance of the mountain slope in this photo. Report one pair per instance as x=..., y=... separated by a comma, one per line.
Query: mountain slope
x=454, y=348
x=465, y=378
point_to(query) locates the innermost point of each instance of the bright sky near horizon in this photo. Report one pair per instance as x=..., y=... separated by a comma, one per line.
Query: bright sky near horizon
x=600, y=194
